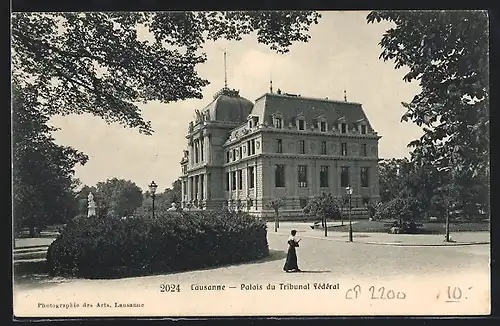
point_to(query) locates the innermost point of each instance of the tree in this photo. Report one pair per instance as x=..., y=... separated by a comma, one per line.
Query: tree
x=391, y=176
x=118, y=196
x=399, y=208
x=43, y=182
x=276, y=204
x=100, y=64
x=173, y=195
x=447, y=52
x=324, y=206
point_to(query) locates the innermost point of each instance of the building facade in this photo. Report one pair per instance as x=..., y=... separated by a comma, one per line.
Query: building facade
x=242, y=154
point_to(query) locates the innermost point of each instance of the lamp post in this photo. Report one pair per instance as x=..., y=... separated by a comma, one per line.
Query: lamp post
x=152, y=189
x=348, y=189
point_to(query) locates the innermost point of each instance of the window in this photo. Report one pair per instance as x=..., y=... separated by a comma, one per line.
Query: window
x=323, y=176
x=344, y=176
x=363, y=129
x=302, y=169
x=344, y=149
x=202, y=181
x=279, y=176
x=364, y=177
x=278, y=123
x=279, y=146
x=302, y=146
x=241, y=151
x=343, y=128
x=227, y=181
x=233, y=180
x=196, y=152
x=322, y=126
x=251, y=177
x=249, y=123
x=363, y=150
x=251, y=147
x=303, y=202
x=302, y=124
x=234, y=154
x=227, y=157
x=240, y=179
x=201, y=149
x=323, y=147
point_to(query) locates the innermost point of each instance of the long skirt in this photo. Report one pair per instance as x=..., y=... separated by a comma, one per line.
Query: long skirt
x=291, y=260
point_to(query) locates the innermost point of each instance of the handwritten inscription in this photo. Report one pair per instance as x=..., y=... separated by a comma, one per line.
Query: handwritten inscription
x=455, y=293
x=374, y=293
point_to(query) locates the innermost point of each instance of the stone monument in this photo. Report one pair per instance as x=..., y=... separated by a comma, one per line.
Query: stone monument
x=91, y=205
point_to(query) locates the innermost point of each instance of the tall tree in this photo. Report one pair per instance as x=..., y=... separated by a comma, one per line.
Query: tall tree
x=447, y=53
x=43, y=183
x=105, y=63
x=118, y=196
x=392, y=174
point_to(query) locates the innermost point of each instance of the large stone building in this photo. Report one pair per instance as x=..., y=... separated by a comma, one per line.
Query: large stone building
x=242, y=154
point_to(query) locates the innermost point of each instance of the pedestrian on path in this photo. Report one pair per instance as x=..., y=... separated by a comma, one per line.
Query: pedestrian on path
x=291, y=257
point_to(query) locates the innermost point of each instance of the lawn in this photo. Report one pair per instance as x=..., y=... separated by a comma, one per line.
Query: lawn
x=427, y=228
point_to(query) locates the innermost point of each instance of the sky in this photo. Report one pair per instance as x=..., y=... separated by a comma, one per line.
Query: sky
x=343, y=53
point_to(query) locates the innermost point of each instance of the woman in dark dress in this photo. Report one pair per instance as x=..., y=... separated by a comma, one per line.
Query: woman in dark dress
x=291, y=257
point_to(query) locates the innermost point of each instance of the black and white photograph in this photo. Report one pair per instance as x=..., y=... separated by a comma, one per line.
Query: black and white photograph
x=250, y=163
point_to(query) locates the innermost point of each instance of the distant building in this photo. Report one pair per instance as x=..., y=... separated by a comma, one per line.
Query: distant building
x=242, y=154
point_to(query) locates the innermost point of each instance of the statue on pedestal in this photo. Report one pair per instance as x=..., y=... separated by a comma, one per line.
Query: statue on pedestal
x=173, y=207
x=91, y=205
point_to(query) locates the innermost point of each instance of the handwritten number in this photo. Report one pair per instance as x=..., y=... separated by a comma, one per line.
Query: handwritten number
x=372, y=290
x=390, y=294
x=382, y=291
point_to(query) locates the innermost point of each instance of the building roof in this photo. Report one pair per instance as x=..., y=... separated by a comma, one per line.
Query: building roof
x=228, y=105
x=292, y=106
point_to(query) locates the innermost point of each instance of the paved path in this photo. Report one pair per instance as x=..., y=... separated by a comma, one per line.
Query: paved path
x=458, y=238
x=423, y=273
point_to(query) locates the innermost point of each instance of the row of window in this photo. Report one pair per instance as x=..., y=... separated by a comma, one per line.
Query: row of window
x=233, y=154
x=323, y=148
x=322, y=125
x=279, y=176
x=234, y=179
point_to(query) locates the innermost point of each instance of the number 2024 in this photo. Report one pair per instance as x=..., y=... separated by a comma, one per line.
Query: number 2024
x=170, y=288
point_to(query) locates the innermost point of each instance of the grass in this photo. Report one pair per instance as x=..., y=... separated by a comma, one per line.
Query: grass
x=427, y=228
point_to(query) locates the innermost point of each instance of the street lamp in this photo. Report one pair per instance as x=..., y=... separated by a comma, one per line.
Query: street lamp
x=152, y=189
x=348, y=189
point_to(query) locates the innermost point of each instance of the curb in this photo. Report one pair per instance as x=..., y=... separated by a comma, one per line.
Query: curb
x=394, y=244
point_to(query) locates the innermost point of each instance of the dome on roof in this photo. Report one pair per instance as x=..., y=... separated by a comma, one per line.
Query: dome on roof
x=228, y=105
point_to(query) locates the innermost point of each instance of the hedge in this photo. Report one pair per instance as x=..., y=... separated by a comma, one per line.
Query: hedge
x=109, y=247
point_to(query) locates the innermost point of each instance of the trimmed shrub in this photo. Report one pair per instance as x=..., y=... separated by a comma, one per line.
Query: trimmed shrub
x=107, y=247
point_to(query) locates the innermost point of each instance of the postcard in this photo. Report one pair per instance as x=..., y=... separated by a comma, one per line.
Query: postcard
x=263, y=163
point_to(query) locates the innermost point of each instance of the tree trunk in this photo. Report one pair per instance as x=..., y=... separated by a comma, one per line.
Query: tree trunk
x=447, y=226
x=32, y=231
x=276, y=223
x=326, y=229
